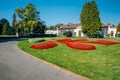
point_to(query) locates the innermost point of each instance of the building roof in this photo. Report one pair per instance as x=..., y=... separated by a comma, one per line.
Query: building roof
x=74, y=26
x=69, y=26
x=106, y=26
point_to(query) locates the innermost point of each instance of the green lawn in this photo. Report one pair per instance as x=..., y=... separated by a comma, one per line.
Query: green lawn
x=100, y=64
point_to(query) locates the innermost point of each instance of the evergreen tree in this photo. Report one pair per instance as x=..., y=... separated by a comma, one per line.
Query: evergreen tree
x=90, y=20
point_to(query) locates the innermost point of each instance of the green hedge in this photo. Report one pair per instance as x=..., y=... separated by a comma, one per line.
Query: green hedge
x=40, y=35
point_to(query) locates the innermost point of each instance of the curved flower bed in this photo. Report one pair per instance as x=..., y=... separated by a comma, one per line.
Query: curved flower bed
x=44, y=45
x=80, y=46
x=82, y=40
x=105, y=42
x=65, y=40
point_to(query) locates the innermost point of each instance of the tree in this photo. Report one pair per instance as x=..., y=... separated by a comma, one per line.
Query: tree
x=4, y=26
x=58, y=25
x=0, y=29
x=29, y=18
x=118, y=27
x=5, y=29
x=40, y=28
x=90, y=20
x=14, y=24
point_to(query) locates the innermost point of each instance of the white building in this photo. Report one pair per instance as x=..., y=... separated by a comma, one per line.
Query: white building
x=109, y=30
x=50, y=32
x=76, y=29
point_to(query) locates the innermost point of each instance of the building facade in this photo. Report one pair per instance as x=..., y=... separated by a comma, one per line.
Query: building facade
x=76, y=29
x=109, y=30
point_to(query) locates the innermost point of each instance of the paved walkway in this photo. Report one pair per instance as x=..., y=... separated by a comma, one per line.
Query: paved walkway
x=15, y=65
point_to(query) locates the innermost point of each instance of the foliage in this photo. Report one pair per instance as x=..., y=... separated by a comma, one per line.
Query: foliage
x=55, y=27
x=5, y=28
x=29, y=20
x=42, y=35
x=100, y=64
x=34, y=40
x=89, y=17
x=0, y=29
x=118, y=27
x=68, y=33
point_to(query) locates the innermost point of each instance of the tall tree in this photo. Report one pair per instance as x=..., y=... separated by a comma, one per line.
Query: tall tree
x=4, y=26
x=14, y=24
x=0, y=29
x=89, y=17
x=29, y=17
x=5, y=29
x=118, y=27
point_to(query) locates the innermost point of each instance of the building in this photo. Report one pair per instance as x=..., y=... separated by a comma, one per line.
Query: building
x=76, y=29
x=50, y=32
x=109, y=30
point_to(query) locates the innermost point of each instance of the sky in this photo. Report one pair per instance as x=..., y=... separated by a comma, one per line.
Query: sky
x=62, y=11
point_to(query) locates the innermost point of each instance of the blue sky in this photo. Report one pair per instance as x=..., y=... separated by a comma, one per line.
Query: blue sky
x=63, y=11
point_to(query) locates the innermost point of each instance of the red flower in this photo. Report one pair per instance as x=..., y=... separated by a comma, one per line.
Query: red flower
x=81, y=40
x=105, y=42
x=65, y=40
x=44, y=45
x=80, y=46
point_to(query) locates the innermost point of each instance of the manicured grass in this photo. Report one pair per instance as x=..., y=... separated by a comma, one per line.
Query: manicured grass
x=100, y=64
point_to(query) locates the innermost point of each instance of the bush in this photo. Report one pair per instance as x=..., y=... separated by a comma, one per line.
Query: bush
x=98, y=35
x=35, y=40
x=68, y=33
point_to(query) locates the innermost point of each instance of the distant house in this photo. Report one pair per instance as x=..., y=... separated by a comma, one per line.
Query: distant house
x=50, y=32
x=76, y=29
x=109, y=30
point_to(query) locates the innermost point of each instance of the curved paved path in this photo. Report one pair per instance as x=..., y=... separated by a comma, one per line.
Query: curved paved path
x=15, y=65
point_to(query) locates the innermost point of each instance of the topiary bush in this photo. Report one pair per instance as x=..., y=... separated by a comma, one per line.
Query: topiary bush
x=68, y=33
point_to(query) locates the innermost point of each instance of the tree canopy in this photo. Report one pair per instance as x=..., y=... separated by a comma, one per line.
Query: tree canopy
x=89, y=17
x=5, y=28
x=29, y=19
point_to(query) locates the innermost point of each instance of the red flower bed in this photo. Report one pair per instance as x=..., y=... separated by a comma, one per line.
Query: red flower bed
x=80, y=46
x=44, y=45
x=65, y=40
x=105, y=42
x=82, y=40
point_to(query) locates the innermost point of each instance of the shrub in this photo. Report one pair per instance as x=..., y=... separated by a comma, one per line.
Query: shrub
x=35, y=40
x=68, y=33
x=42, y=35
x=45, y=45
